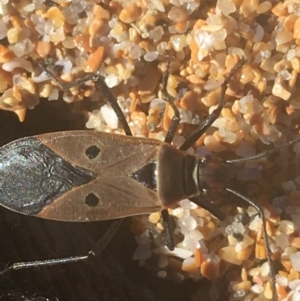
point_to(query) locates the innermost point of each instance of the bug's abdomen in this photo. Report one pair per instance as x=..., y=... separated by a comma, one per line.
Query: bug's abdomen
x=176, y=172
x=32, y=176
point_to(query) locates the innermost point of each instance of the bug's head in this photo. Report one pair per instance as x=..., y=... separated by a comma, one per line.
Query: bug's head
x=213, y=173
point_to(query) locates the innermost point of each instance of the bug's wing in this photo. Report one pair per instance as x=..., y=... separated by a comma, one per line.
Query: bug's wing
x=113, y=154
x=58, y=176
x=103, y=199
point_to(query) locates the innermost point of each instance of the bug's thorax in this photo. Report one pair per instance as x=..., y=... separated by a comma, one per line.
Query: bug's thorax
x=176, y=175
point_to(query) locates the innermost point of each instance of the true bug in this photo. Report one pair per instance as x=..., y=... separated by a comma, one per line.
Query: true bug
x=108, y=178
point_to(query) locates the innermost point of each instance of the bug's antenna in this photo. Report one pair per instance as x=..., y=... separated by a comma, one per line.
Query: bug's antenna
x=264, y=153
x=265, y=236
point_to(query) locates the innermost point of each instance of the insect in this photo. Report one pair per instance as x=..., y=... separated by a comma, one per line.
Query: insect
x=91, y=176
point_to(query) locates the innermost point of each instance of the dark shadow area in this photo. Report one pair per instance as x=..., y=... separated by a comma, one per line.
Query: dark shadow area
x=111, y=276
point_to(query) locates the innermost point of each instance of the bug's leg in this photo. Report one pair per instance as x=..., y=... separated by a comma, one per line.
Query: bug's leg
x=215, y=114
x=167, y=219
x=67, y=86
x=265, y=237
x=101, y=85
x=169, y=226
x=106, y=238
x=96, y=250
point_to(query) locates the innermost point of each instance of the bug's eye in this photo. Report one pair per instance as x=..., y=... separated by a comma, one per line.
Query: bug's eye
x=92, y=152
x=91, y=200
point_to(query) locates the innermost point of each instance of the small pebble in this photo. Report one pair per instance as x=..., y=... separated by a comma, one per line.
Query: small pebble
x=56, y=16
x=94, y=60
x=130, y=13
x=210, y=270
x=109, y=116
x=295, y=259
x=14, y=35
x=229, y=254
x=162, y=274
x=154, y=218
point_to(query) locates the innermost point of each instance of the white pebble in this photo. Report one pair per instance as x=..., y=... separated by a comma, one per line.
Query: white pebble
x=295, y=259
x=279, y=202
x=178, y=212
x=283, y=281
x=187, y=224
x=239, y=293
x=158, y=5
x=286, y=226
x=204, y=40
x=163, y=261
x=112, y=80
x=296, y=296
x=162, y=274
x=187, y=204
x=41, y=78
x=3, y=29
x=186, y=116
x=68, y=98
x=196, y=235
x=259, y=33
x=254, y=225
x=238, y=227
x=17, y=62
x=212, y=84
x=151, y=56
x=93, y=121
x=265, y=269
x=191, y=240
x=296, y=148
x=54, y=94
x=289, y=186
x=135, y=52
x=178, y=277
x=225, y=7
x=109, y=116
x=229, y=230
x=188, y=261
x=141, y=252
x=257, y=289
x=177, y=252
x=238, y=247
x=201, y=245
x=203, y=151
x=157, y=102
x=290, y=209
x=294, y=284
x=251, y=211
x=244, y=150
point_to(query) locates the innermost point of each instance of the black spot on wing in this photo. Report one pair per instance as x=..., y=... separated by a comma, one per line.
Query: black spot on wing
x=92, y=200
x=32, y=176
x=92, y=152
x=146, y=176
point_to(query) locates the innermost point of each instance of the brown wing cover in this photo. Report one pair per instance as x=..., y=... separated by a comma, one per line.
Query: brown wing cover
x=118, y=194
